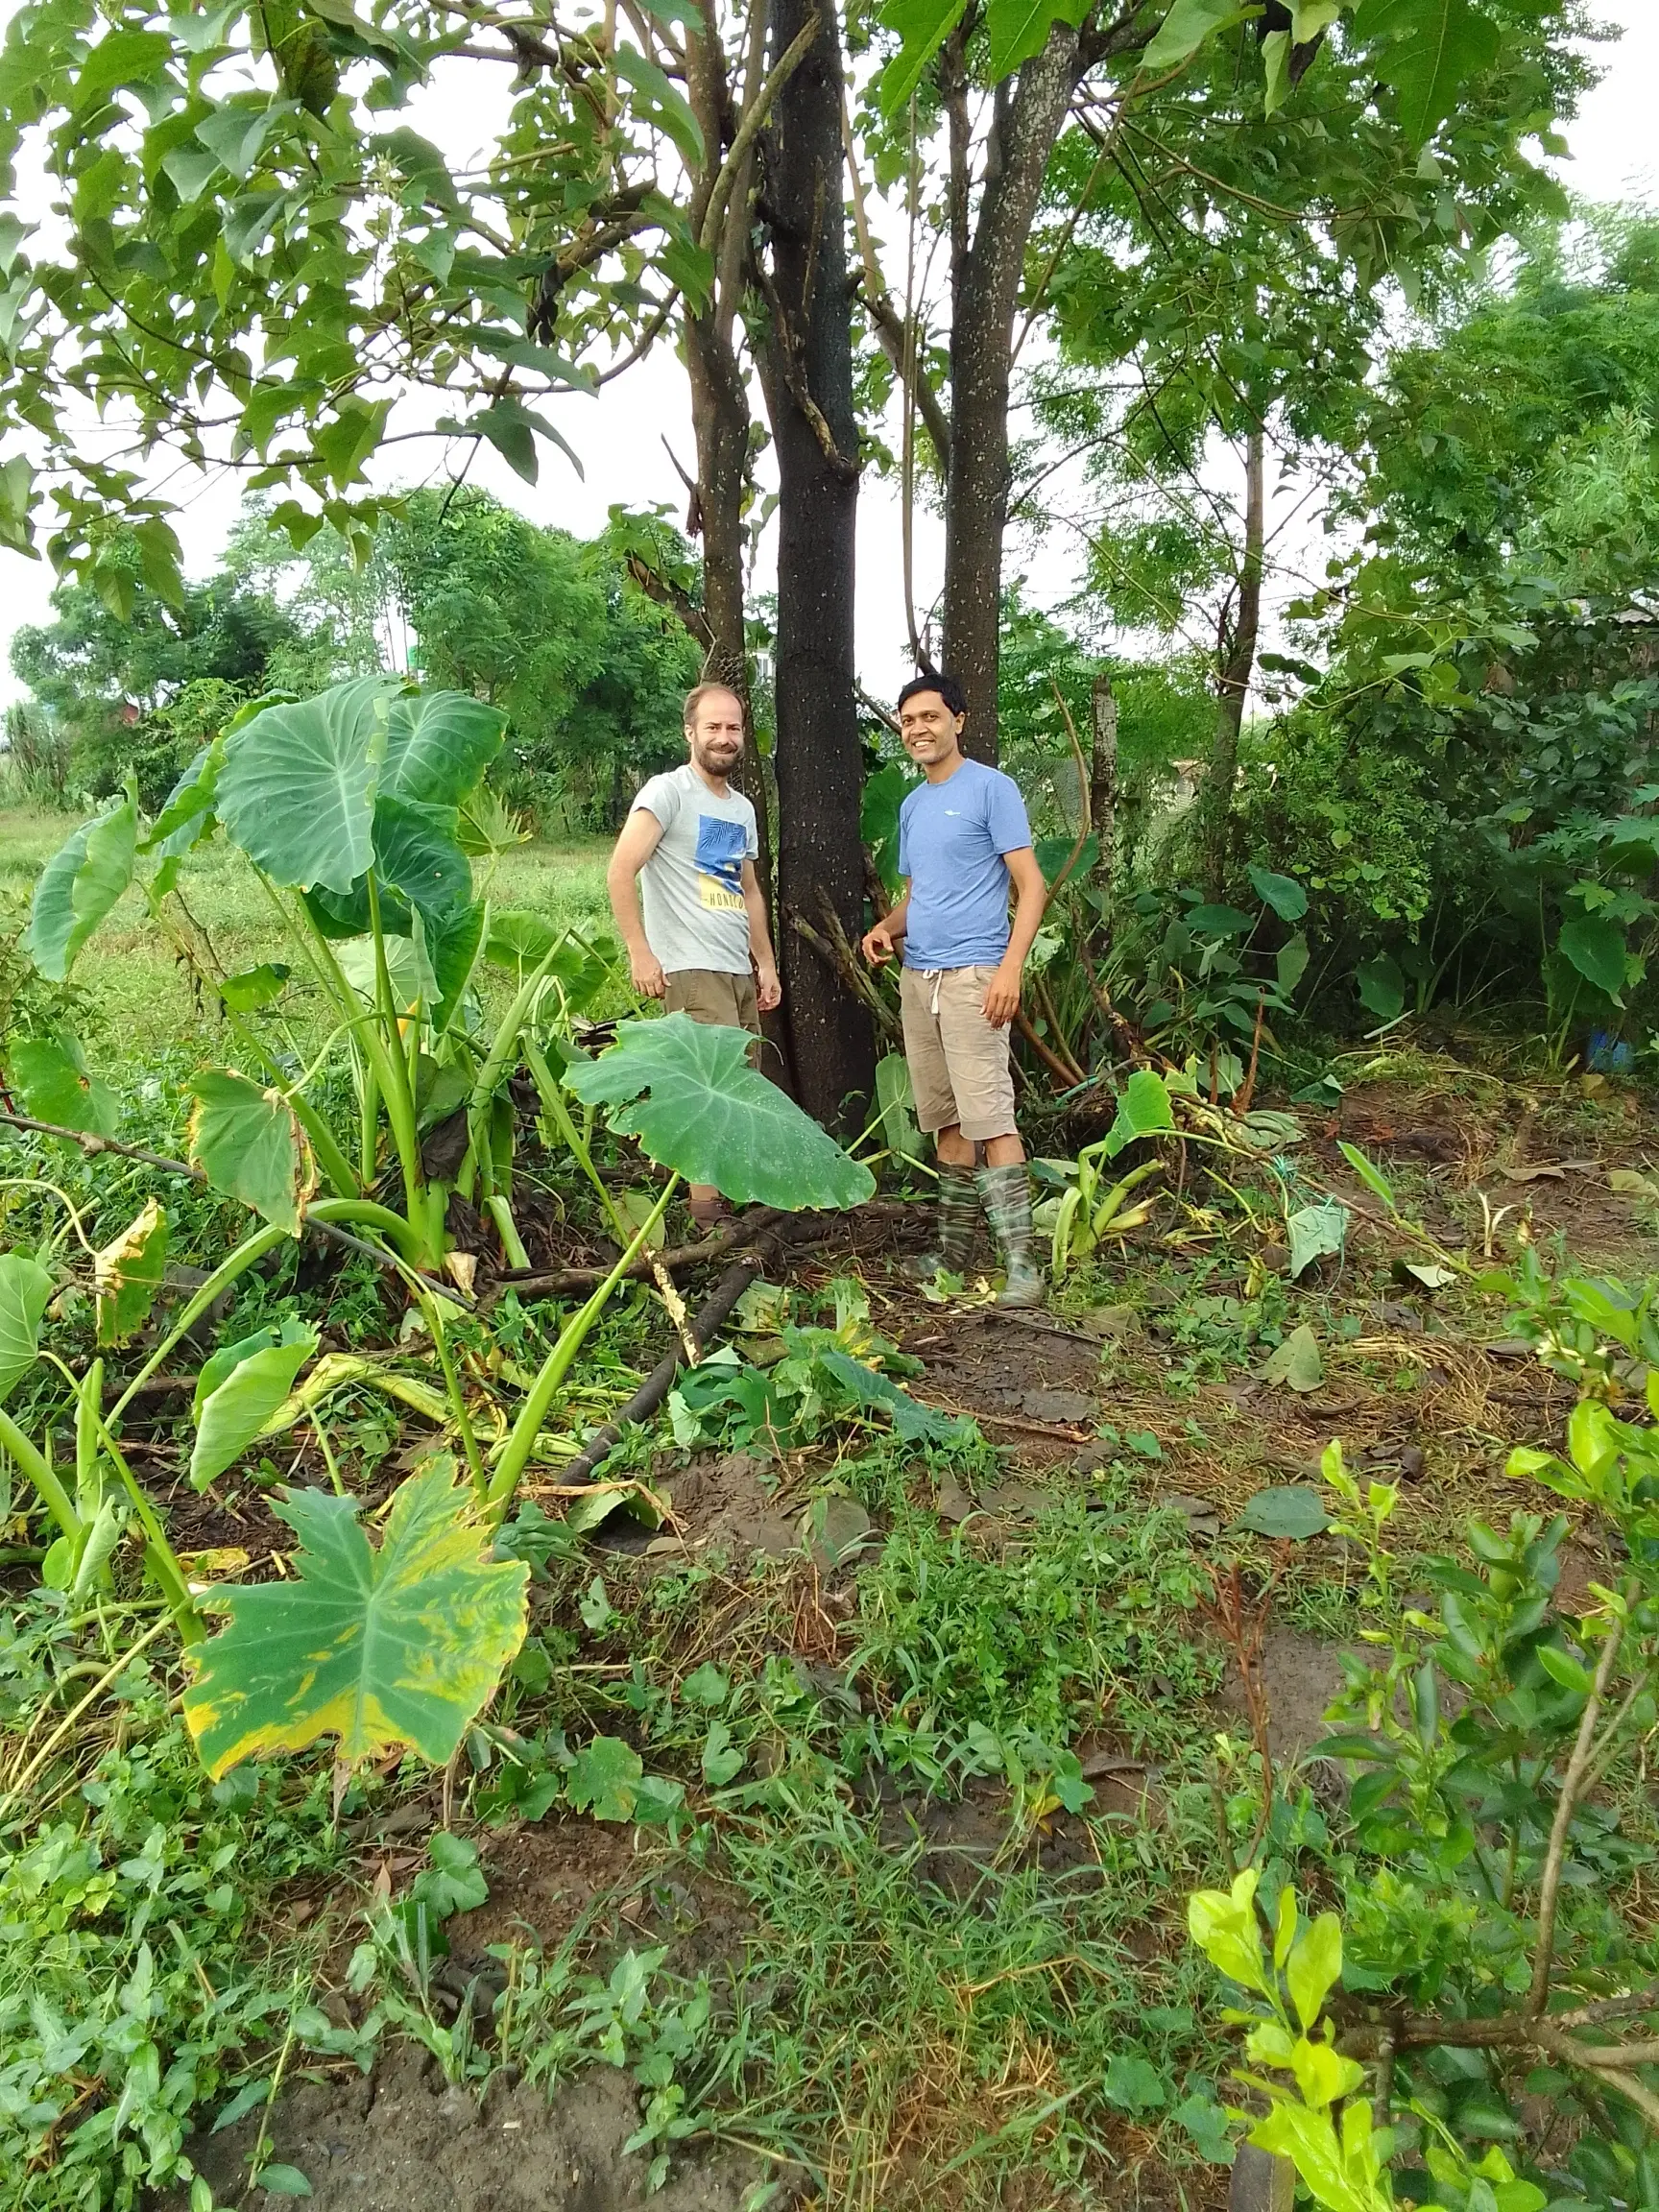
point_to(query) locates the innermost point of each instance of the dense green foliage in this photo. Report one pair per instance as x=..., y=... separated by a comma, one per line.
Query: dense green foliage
x=544, y=626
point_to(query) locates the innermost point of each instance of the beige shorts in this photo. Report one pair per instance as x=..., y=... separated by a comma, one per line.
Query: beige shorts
x=959, y=1069
x=725, y=1002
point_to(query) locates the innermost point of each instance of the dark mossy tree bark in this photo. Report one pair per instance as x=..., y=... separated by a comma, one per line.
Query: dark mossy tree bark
x=806, y=367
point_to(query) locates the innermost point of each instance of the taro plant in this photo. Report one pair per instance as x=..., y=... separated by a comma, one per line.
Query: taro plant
x=404, y=1642
x=348, y=809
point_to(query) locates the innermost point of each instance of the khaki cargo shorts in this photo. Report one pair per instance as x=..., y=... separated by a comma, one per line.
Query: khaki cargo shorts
x=710, y=995
x=959, y=1069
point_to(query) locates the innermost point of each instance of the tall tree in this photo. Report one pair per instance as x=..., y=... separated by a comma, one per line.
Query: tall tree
x=1153, y=93
x=806, y=365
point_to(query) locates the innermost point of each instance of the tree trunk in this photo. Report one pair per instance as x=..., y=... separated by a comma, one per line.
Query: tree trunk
x=1103, y=797
x=1237, y=665
x=720, y=423
x=720, y=406
x=808, y=374
x=1029, y=115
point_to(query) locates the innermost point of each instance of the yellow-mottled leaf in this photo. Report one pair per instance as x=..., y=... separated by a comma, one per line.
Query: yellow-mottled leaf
x=378, y=1649
x=128, y=1273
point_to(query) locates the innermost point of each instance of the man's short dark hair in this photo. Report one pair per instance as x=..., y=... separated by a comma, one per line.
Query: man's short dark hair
x=947, y=687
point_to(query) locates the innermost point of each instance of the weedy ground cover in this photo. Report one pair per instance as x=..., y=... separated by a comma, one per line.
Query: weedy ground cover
x=852, y=1750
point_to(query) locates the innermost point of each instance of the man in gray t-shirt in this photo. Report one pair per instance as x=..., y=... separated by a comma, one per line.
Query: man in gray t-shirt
x=702, y=945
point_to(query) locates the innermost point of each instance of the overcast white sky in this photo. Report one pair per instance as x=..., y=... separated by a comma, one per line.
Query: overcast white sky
x=620, y=434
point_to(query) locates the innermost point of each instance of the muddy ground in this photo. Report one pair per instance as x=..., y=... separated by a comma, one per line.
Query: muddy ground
x=1427, y=1392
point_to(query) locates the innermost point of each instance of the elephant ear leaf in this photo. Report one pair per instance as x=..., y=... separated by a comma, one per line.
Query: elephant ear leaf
x=437, y=745
x=50, y=1076
x=79, y=886
x=295, y=789
x=128, y=1273
x=24, y=1289
x=249, y=1144
x=378, y=1649
x=238, y=1391
x=686, y=1090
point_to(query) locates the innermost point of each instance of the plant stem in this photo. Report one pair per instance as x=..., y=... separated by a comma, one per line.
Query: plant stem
x=399, y=1098
x=41, y=1473
x=1577, y=1771
x=161, y=1557
x=521, y=1438
x=251, y=1248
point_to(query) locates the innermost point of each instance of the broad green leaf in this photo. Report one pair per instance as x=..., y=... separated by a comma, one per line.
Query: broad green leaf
x=1142, y=1111
x=454, y=1882
x=605, y=1778
x=1134, y=2085
x=896, y=1102
x=451, y=942
x=79, y=886
x=1382, y=987
x=1019, y=29
x=128, y=1273
x=54, y=1083
x=417, y=863
x=235, y=1409
x=1276, y=62
x=1296, y=1363
x=24, y=1289
x=1221, y=921
x=657, y=101
x=407, y=969
x=1373, y=1177
x=1184, y=29
x=437, y=745
x=1561, y=1666
x=188, y=817
x=1292, y=1511
x=229, y=1357
x=282, y=2179
x=1223, y=1925
x=686, y=1090
x=707, y=1686
x=1317, y=1231
x=1291, y=964
x=1434, y=45
x=399, y=1646
x=1596, y=947
x=249, y=1144
x=722, y=1759
x=296, y=788
x=255, y=987
x=520, y=938
x=1287, y=898
x=912, y=1419
x=1315, y=1968
x=1308, y=2139
x=126, y=57
x=923, y=27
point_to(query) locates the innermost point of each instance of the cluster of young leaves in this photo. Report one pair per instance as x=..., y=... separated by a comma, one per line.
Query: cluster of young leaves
x=253, y=240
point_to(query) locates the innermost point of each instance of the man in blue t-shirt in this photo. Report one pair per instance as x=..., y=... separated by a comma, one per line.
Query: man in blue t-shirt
x=964, y=846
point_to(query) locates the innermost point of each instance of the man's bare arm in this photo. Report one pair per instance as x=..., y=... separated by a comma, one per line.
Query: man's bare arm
x=881, y=943
x=768, y=990
x=640, y=836
x=1032, y=896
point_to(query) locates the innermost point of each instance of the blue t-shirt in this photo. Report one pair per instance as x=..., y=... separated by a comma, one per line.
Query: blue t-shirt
x=952, y=837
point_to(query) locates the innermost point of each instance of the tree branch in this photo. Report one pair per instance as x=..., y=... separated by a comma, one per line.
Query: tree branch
x=753, y=123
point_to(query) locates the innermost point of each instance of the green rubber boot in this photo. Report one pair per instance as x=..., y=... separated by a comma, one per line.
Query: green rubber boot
x=958, y=1219
x=1005, y=1193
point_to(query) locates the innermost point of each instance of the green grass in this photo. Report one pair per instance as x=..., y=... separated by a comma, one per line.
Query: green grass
x=130, y=981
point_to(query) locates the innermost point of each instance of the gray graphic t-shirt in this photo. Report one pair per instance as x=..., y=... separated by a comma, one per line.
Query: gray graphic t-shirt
x=692, y=884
